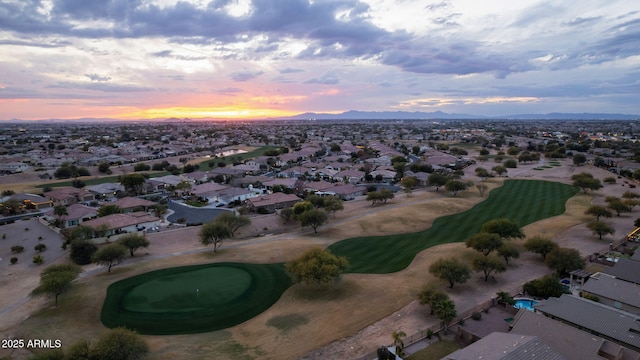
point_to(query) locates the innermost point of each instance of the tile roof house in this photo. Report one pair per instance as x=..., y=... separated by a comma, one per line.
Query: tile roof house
x=131, y=204
x=69, y=195
x=123, y=223
x=272, y=202
x=77, y=214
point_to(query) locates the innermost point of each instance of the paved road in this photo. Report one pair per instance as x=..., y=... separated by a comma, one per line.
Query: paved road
x=193, y=215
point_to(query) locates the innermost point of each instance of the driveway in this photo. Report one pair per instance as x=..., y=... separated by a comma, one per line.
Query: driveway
x=193, y=215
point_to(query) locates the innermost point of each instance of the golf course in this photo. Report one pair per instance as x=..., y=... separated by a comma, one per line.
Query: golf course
x=208, y=297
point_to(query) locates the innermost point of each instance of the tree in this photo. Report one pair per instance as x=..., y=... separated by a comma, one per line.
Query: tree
x=505, y=228
x=56, y=279
x=504, y=298
x=489, y=265
x=579, y=159
x=446, y=311
x=544, y=287
x=133, y=183
x=316, y=267
x=540, y=245
x=455, y=186
x=286, y=214
x=119, y=344
x=482, y=173
x=82, y=251
x=564, y=260
x=105, y=210
x=104, y=168
x=586, y=182
x=508, y=251
x=110, y=255
x=450, y=270
x=510, y=163
x=60, y=211
x=437, y=180
x=482, y=189
x=133, y=242
x=598, y=211
x=499, y=169
x=214, y=233
x=374, y=197
x=313, y=218
x=484, y=242
x=409, y=183
x=601, y=228
x=397, y=341
x=618, y=206
x=160, y=210
x=300, y=207
x=232, y=221
x=333, y=204
x=430, y=295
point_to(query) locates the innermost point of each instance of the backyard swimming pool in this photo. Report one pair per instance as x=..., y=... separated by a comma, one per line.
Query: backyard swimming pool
x=525, y=304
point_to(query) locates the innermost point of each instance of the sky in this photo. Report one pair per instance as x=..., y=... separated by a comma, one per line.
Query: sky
x=251, y=59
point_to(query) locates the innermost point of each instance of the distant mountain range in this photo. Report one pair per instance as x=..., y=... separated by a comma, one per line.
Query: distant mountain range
x=439, y=115
x=391, y=115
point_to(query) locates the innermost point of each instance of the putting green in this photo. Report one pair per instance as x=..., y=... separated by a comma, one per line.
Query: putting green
x=201, y=298
x=193, y=299
x=188, y=291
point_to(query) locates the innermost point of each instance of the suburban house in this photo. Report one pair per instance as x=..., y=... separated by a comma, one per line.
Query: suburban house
x=165, y=182
x=77, y=214
x=342, y=191
x=231, y=194
x=133, y=204
x=69, y=195
x=625, y=269
x=613, y=292
x=207, y=191
x=13, y=167
x=503, y=346
x=271, y=202
x=349, y=176
x=105, y=191
x=123, y=223
x=594, y=318
x=570, y=342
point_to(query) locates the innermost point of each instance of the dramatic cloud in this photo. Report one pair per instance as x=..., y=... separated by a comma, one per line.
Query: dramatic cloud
x=376, y=54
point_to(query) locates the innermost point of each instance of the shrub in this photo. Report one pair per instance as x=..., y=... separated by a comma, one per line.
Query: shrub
x=429, y=334
x=38, y=259
x=476, y=316
x=40, y=247
x=13, y=260
x=17, y=248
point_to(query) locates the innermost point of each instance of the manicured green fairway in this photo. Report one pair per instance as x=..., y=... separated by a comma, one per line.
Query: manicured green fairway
x=201, y=298
x=524, y=201
x=193, y=299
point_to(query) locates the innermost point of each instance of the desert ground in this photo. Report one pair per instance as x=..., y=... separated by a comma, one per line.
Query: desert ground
x=346, y=322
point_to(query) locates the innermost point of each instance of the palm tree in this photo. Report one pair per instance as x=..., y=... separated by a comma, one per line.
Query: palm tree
x=59, y=211
x=397, y=341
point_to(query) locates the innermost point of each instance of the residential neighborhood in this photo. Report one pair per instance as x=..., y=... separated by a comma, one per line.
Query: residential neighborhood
x=162, y=180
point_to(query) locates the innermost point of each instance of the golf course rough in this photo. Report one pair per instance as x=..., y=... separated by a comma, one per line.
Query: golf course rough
x=209, y=297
